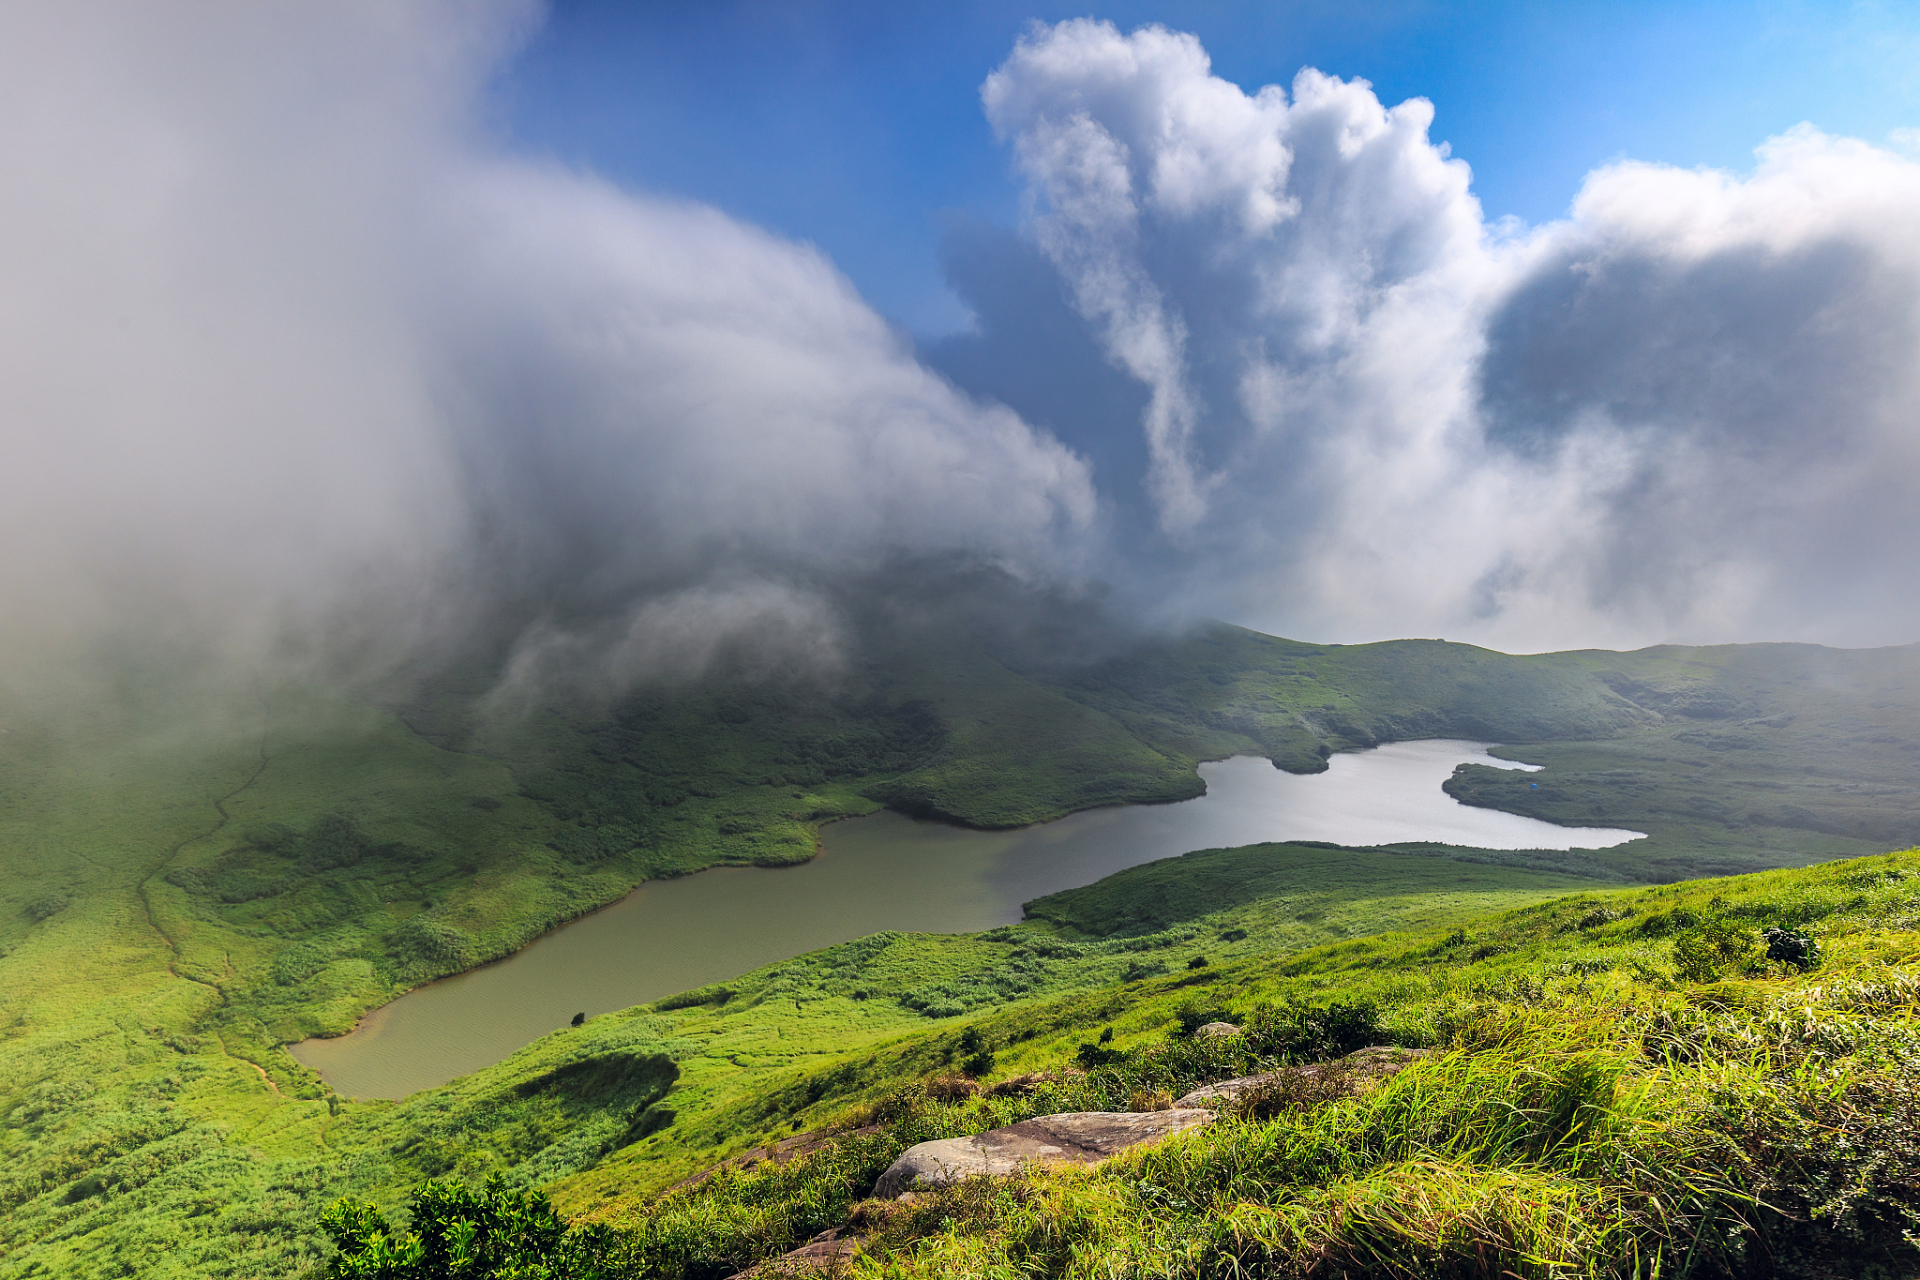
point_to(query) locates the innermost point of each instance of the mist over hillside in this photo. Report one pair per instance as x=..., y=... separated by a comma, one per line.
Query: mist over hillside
x=310, y=374
x=413, y=540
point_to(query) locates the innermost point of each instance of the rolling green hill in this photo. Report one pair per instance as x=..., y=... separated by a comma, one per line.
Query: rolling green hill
x=180, y=903
x=1618, y=1083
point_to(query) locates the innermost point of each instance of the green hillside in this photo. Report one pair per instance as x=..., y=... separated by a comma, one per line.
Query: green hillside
x=1617, y=1083
x=181, y=902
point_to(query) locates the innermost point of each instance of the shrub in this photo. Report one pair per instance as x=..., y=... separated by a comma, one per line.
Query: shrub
x=460, y=1233
x=298, y=963
x=435, y=942
x=1197, y=1013
x=333, y=841
x=1304, y=1033
x=271, y=836
x=1787, y=947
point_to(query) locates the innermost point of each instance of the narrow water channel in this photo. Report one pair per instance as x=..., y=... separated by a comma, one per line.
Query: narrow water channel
x=890, y=872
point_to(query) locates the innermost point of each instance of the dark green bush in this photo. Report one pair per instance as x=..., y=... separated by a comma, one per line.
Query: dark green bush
x=1306, y=1033
x=1198, y=1012
x=1787, y=947
x=271, y=836
x=692, y=999
x=332, y=841
x=463, y=1233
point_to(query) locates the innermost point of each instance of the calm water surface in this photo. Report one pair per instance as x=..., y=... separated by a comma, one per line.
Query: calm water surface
x=891, y=872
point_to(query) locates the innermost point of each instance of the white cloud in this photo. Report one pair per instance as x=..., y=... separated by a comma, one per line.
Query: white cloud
x=296, y=365
x=1691, y=410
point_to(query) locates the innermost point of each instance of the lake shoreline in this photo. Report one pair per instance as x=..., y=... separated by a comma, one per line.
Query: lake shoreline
x=894, y=872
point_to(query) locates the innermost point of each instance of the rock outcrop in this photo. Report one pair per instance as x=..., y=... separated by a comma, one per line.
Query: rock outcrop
x=826, y=1254
x=1309, y=1085
x=1074, y=1137
x=1081, y=1137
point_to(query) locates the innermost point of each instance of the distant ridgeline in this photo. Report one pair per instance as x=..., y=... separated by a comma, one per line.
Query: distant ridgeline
x=173, y=914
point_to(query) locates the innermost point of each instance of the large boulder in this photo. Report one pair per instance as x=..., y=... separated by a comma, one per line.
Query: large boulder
x=1074, y=1137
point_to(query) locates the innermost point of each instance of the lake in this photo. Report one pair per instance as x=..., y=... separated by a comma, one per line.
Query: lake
x=886, y=871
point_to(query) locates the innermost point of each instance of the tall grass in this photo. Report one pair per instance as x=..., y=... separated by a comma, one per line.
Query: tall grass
x=1702, y=1132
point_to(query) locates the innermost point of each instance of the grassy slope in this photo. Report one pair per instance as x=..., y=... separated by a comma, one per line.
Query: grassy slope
x=1732, y=758
x=230, y=1176
x=141, y=1011
x=738, y=1089
x=1589, y=1110
x=1766, y=755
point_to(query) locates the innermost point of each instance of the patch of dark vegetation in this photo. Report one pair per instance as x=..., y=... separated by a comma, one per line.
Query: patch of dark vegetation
x=47, y=906
x=561, y=1120
x=277, y=859
x=457, y=1230
x=298, y=963
x=615, y=1075
x=695, y=998
x=334, y=840
x=430, y=943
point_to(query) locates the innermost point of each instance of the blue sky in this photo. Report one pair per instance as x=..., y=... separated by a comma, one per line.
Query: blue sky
x=857, y=126
x=419, y=312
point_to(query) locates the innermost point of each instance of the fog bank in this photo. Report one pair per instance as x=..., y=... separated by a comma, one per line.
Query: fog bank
x=305, y=374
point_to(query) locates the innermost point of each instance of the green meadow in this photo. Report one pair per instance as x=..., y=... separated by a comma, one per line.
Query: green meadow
x=1605, y=1083
x=180, y=903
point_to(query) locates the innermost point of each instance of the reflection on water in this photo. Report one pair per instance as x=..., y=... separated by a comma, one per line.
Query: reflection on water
x=891, y=872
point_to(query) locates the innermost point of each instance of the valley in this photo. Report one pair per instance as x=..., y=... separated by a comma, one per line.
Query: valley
x=887, y=873
x=182, y=906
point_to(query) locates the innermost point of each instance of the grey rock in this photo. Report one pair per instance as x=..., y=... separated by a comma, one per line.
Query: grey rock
x=825, y=1254
x=1215, y=1031
x=1359, y=1070
x=1226, y=1091
x=1074, y=1137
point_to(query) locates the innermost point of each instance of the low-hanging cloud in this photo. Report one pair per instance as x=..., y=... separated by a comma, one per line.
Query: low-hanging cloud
x=301, y=373
x=1689, y=410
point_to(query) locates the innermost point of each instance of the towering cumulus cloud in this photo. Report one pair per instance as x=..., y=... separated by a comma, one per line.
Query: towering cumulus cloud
x=1690, y=409
x=302, y=372
x=299, y=372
